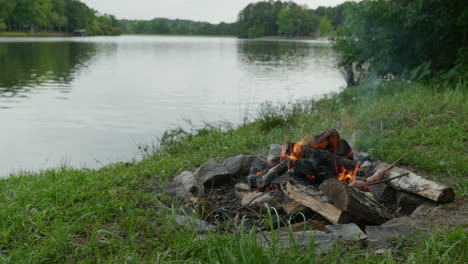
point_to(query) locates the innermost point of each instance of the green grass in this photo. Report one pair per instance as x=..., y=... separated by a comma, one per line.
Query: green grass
x=183, y=35
x=118, y=214
x=14, y=34
x=292, y=38
x=28, y=34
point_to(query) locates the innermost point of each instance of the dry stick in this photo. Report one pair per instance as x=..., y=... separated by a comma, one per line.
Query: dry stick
x=379, y=174
x=396, y=161
x=389, y=179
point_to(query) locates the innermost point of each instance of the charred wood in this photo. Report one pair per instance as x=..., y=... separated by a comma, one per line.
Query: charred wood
x=265, y=179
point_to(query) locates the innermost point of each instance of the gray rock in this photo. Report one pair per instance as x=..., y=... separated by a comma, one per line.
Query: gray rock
x=405, y=221
x=361, y=156
x=258, y=164
x=211, y=174
x=381, y=235
x=241, y=165
x=408, y=202
x=184, y=184
x=275, y=153
x=190, y=222
x=424, y=210
x=366, y=168
x=382, y=251
x=346, y=231
x=322, y=240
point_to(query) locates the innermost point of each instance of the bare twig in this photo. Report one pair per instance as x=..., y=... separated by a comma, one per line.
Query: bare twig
x=396, y=161
x=380, y=173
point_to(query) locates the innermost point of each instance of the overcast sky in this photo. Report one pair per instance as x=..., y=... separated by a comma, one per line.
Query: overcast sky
x=213, y=11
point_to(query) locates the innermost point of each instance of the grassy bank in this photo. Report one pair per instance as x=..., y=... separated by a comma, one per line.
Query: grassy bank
x=279, y=37
x=183, y=35
x=118, y=213
x=28, y=34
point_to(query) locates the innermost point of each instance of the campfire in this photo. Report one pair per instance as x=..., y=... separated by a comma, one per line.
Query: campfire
x=319, y=178
x=312, y=161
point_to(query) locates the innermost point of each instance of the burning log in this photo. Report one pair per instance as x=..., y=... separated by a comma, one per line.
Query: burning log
x=330, y=212
x=331, y=141
x=319, y=165
x=329, y=159
x=265, y=179
x=418, y=185
x=354, y=202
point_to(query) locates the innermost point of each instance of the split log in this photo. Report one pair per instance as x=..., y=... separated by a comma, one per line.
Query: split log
x=416, y=184
x=355, y=202
x=293, y=207
x=330, y=212
x=265, y=179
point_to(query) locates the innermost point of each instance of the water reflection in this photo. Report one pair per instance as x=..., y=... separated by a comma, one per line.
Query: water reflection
x=128, y=90
x=278, y=53
x=288, y=70
x=29, y=66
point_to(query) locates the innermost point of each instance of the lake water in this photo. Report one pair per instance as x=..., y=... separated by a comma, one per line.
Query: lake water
x=85, y=102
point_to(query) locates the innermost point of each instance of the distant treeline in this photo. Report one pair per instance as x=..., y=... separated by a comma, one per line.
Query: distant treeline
x=54, y=15
x=270, y=18
x=267, y=18
x=177, y=27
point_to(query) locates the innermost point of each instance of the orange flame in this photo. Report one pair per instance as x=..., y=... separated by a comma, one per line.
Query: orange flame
x=332, y=141
x=326, y=141
x=345, y=175
x=296, y=152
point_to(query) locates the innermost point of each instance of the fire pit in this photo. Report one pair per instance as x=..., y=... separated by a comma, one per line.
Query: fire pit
x=318, y=180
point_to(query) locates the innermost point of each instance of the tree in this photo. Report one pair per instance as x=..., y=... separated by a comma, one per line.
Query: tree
x=57, y=17
x=6, y=10
x=325, y=27
x=2, y=25
x=285, y=22
x=255, y=31
x=398, y=36
x=297, y=20
x=261, y=15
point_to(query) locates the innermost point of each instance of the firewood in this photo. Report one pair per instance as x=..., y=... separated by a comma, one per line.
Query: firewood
x=330, y=212
x=389, y=179
x=293, y=207
x=416, y=184
x=265, y=179
x=328, y=159
x=355, y=202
